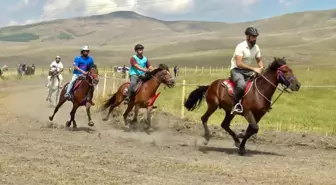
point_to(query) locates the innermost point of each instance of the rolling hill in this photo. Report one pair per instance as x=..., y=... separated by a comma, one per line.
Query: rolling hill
x=302, y=36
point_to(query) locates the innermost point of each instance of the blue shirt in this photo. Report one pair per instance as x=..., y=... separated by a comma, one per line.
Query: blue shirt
x=141, y=62
x=83, y=63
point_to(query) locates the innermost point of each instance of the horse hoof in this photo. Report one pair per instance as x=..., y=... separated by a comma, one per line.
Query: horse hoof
x=105, y=119
x=149, y=130
x=91, y=123
x=127, y=128
x=50, y=118
x=205, y=142
x=242, y=151
x=68, y=123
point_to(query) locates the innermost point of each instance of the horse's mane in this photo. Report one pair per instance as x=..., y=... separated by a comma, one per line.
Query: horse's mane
x=95, y=67
x=150, y=75
x=277, y=62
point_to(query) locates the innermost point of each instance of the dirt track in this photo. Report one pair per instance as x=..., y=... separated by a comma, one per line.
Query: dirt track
x=37, y=152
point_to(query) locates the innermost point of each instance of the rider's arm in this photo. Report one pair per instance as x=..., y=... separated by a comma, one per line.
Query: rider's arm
x=76, y=63
x=135, y=64
x=239, y=52
x=259, y=60
x=149, y=66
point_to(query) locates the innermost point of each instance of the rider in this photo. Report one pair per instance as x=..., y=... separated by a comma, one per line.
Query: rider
x=139, y=66
x=242, y=58
x=56, y=65
x=82, y=65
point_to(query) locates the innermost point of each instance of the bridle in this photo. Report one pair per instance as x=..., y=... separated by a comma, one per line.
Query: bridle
x=92, y=79
x=286, y=83
x=157, y=79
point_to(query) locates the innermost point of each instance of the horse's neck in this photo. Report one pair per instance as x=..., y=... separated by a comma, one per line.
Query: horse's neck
x=154, y=83
x=267, y=86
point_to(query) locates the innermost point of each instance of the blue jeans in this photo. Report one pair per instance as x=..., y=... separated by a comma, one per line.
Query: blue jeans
x=134, y=79
x=74, y=77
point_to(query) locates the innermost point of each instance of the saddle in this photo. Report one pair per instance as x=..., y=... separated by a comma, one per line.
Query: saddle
x=138, y=87
x=77, y=82
x=229, y=84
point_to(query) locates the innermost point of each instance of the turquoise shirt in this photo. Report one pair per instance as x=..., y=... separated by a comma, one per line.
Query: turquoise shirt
x=141, y=62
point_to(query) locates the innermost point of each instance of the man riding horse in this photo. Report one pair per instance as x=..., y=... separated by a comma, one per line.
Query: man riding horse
x=241, y=70
x=82, y=65
x=56, y=65
x=139, y=66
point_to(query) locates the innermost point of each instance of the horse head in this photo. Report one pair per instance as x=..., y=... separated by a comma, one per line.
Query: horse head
x=163, y=75
x=5, y=68
x=93, y=75
x=284, y=74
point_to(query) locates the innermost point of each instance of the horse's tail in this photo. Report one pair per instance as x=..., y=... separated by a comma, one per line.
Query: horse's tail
x=195, y=98
x=109, y=102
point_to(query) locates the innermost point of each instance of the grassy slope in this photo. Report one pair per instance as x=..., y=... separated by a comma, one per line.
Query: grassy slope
x=306, y=39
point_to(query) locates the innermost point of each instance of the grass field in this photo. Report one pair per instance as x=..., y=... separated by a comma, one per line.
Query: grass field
x=309, y=110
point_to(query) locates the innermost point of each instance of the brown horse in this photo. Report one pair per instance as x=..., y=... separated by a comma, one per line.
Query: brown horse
x=145, y=94
x=256, y=101
x=82, y=94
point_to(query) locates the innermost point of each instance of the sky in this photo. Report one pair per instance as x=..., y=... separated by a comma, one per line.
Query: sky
x=18, y=12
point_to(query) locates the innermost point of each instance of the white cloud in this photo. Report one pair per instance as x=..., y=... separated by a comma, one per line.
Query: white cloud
x=59, y=8
x=288, y=2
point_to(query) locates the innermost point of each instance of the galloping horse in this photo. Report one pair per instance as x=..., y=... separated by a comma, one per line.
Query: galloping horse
x=82, y=93
x=256, y=101
x=145, y=94
x=54, y=87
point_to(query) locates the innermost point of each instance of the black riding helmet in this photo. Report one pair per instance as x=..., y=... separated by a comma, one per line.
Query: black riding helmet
x=251, y=31
x=138, y=46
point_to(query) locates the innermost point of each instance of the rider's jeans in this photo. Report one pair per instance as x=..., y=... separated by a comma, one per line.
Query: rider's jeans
x=74, y=77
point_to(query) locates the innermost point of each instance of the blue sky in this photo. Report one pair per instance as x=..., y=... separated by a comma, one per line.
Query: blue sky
x=13, y=12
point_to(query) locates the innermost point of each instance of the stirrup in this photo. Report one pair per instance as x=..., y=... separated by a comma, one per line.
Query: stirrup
x=236, y=110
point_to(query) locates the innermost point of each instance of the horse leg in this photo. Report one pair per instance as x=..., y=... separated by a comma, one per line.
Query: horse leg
x=253, y=128
x=60, y=103
x=226, y=126
x=127, y=111
x=149, y=119
x=136, y=113
x=204, y=118
x=88, y=113
x=72, y=116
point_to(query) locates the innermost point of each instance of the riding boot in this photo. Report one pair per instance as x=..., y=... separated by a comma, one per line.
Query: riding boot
x=128, y=95
x=237, y=106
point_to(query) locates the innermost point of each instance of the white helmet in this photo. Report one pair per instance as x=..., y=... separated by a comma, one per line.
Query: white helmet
x=58, y=57
x=85, y=48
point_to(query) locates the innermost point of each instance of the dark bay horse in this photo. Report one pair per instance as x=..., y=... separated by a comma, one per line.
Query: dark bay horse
x=145, y=94
x=82, y=94
x=256, y=101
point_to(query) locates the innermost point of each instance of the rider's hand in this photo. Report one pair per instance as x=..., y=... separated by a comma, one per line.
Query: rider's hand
x=85, y=73
x=257, y=70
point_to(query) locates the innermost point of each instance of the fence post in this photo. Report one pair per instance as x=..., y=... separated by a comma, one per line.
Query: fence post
x=104, y=87
x=97, y=91
x=182, y=98
x=113, y=82
x=127, y=76
x=196, y=69
x=202, y=69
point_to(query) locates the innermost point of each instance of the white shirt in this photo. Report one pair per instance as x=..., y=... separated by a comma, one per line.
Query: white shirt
x=248, y=54
x=56, y=66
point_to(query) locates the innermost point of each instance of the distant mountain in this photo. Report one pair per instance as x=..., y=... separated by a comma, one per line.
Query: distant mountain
x=127, y=27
